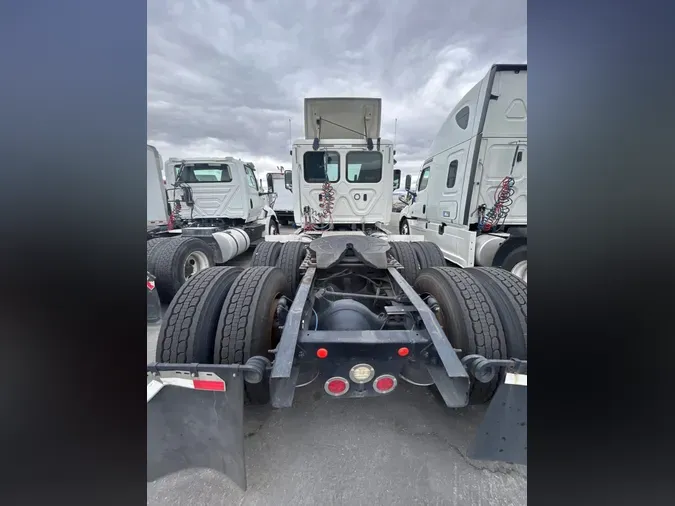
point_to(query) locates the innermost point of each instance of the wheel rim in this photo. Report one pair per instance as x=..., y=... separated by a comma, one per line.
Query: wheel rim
x=194, y=263
x=520, y=270
x=404, y=228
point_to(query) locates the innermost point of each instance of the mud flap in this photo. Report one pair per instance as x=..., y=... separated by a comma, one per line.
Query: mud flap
x=197, y=429
x=502, y=435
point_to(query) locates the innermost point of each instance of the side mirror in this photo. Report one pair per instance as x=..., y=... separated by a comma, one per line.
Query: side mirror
x=407, y=182
x=288, y=180
x=397, y=179
x=270, y=183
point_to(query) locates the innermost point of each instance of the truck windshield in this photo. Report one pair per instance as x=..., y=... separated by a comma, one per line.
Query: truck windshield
x=364, y=167
x=204, y=173
x=314, y=169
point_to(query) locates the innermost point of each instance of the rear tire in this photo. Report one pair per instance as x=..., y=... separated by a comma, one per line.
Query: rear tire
x=509, y=293
x=404, y=253
x=516, y=262
x=428, y=254
x=188, y=330
x=266, y=254
x=469, y=319
x=152, y=246
x=247, y=325
x=171, y=261
x=290, y=257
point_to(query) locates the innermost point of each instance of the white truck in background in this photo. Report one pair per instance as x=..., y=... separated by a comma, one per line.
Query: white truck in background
x=343, y=172
x=282, y=198
x=210, y=211
x=471, y=195
x=156, y=202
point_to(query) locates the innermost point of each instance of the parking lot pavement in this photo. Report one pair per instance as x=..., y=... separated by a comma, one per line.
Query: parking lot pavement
x=402, y=449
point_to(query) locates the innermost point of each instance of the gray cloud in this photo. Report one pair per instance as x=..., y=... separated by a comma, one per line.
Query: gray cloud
x=224, y=77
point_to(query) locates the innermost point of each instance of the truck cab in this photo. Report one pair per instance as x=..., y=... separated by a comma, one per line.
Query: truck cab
x=471, y=193
x=221, y=189
x=343, y=172
x=281, y=198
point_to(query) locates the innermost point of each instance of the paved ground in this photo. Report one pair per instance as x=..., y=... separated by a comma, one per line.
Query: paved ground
x=401, y=450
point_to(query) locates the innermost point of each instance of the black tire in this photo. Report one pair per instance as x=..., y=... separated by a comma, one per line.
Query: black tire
x=273, y=226
x=188, y=330
x=401, y=229
x=266, y=254
x=428, y=254
x=469, y=319
x=152, y=245
x=290, y=257
x=169, y=263
x=509, y=293
x=517, y=255
x=404, y=253
x=246, y=326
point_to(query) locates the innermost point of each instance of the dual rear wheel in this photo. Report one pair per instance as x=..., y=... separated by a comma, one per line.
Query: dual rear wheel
x=482, y=311
x=173, y=261
x=224, y=315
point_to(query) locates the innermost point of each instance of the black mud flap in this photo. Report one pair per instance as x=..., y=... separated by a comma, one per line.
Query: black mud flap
x=197, y=429
x=502, y=435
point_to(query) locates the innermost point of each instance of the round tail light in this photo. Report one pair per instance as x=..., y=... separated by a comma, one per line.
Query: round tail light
x=361, y=373
x=336, y=386
x=384, y=384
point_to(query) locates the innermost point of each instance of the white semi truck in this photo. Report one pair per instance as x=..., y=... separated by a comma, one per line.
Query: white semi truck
x=282, y=200
x=210, y=211
x=471, y=195
x=340, y=303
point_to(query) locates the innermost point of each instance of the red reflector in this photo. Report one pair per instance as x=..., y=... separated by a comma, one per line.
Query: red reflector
x=151, y=285
x=336, y=386
x=403, y=352
x=384, y=384
x=322, y=353
x=209, y=385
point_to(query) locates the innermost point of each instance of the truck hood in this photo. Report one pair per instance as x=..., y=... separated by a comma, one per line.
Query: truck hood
x=355, y=114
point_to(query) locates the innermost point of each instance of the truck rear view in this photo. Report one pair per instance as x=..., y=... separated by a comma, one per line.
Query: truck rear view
x=340, y=304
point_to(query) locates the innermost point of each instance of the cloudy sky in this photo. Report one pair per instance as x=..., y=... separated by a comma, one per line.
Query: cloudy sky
x=225, y=76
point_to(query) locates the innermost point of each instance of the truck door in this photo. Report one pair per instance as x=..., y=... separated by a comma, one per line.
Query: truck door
x=418, y=210
x=451, y=169
x=255, y=201
x=501, y=158
x=318, y=167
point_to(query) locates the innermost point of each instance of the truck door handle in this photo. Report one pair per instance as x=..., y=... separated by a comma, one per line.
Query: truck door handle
x=424, y=209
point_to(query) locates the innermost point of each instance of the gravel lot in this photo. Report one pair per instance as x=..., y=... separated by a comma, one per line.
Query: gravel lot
x=400, y=450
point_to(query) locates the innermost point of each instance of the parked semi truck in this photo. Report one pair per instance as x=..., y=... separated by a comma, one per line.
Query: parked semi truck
x=283, y=198
x=209, y=211
x=340, y=303
x=471, y=195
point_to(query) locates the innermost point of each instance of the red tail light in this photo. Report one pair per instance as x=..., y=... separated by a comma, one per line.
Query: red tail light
x=384, y=384
x=336, y=386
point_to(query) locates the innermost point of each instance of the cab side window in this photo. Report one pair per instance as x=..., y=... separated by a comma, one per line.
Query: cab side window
x=424, y=179
x=452, y=174
x=250, y=176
